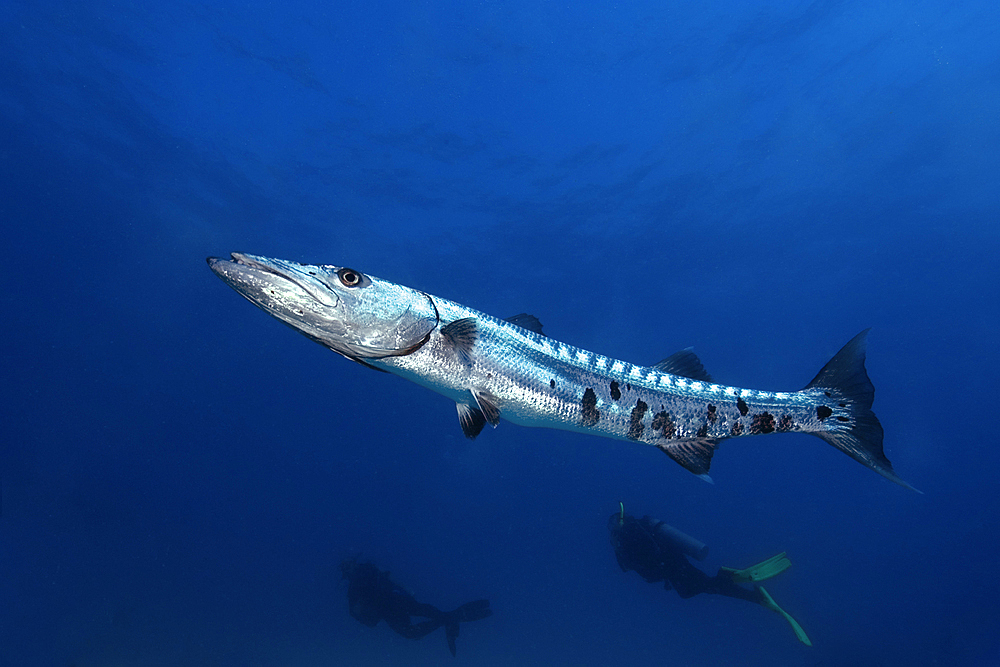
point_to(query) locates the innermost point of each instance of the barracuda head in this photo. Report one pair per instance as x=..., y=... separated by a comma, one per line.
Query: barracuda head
x=359, y=316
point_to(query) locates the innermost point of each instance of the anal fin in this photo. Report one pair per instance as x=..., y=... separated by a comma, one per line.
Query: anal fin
x=695, y=454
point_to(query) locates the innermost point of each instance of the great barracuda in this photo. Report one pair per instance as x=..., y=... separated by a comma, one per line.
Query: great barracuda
x=495, y=368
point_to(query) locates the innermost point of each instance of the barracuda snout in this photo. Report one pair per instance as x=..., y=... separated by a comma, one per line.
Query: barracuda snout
x=358, y=316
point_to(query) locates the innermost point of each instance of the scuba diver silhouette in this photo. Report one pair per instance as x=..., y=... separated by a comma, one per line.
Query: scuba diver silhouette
x=658, y=552
x=372, y=596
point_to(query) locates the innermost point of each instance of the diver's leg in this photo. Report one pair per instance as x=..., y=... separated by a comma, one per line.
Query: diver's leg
x=402, y=625
x=686, y=579
x=423, y=609
x=723, y=584
x=407, y=606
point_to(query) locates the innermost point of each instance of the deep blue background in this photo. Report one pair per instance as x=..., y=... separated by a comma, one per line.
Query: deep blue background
x=181, y=474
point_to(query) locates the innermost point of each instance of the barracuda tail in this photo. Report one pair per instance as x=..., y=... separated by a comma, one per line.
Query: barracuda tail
x=845, y=379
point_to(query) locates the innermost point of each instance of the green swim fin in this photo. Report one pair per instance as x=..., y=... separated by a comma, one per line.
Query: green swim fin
x=762, y=571
x=769, y=603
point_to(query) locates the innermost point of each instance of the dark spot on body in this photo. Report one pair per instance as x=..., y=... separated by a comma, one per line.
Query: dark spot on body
x=712, y=416
x=762, y=422
x=616, y=393
x=635, y=427
x=737, y=429
x=827, y=394
x=552, y=384
x=843, y=405
x=628, y=386
x=843, y=419
x=822, y=412
x=589, y=414
x=785, y=424
x=703, y=431
x=742, y=406
x=664, y=424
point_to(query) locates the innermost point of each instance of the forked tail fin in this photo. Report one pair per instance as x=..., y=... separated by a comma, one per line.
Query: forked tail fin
x=845, y=378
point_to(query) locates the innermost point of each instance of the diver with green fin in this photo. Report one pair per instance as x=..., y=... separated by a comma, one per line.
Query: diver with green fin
x=658, y=552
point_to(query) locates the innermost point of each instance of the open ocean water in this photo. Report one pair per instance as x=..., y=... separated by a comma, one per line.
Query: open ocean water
x=180, y=475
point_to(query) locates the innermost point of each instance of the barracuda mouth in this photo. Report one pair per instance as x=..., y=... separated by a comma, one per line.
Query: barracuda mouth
x=364, y=319
x=228, y=268
x=248, y=273
x=221, y=266
x=253, y=263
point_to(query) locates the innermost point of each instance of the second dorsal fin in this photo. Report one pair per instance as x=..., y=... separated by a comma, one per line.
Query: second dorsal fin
x=686, y=364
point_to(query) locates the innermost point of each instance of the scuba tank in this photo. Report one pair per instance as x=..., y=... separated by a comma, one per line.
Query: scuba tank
x=690, y=546
x=682, y=541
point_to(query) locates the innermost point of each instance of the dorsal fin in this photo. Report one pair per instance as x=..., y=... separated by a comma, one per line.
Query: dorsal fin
x=461, y=335
x=686, y=364
x=526, y=321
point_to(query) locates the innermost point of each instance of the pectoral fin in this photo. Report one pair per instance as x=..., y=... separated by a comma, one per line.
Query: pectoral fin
x=461, y=336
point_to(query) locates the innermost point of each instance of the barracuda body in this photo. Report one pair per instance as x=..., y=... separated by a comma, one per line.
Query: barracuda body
x=493, y=368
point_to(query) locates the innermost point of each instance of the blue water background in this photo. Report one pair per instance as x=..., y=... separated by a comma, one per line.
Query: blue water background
x=181, y=473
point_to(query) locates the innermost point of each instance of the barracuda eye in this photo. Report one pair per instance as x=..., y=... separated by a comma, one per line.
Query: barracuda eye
x=351, y=278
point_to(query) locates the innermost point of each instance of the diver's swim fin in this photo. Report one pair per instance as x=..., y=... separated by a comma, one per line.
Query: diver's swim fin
x=451, y=632
x=762, y=571
x=769, y=603
x=470, y=611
